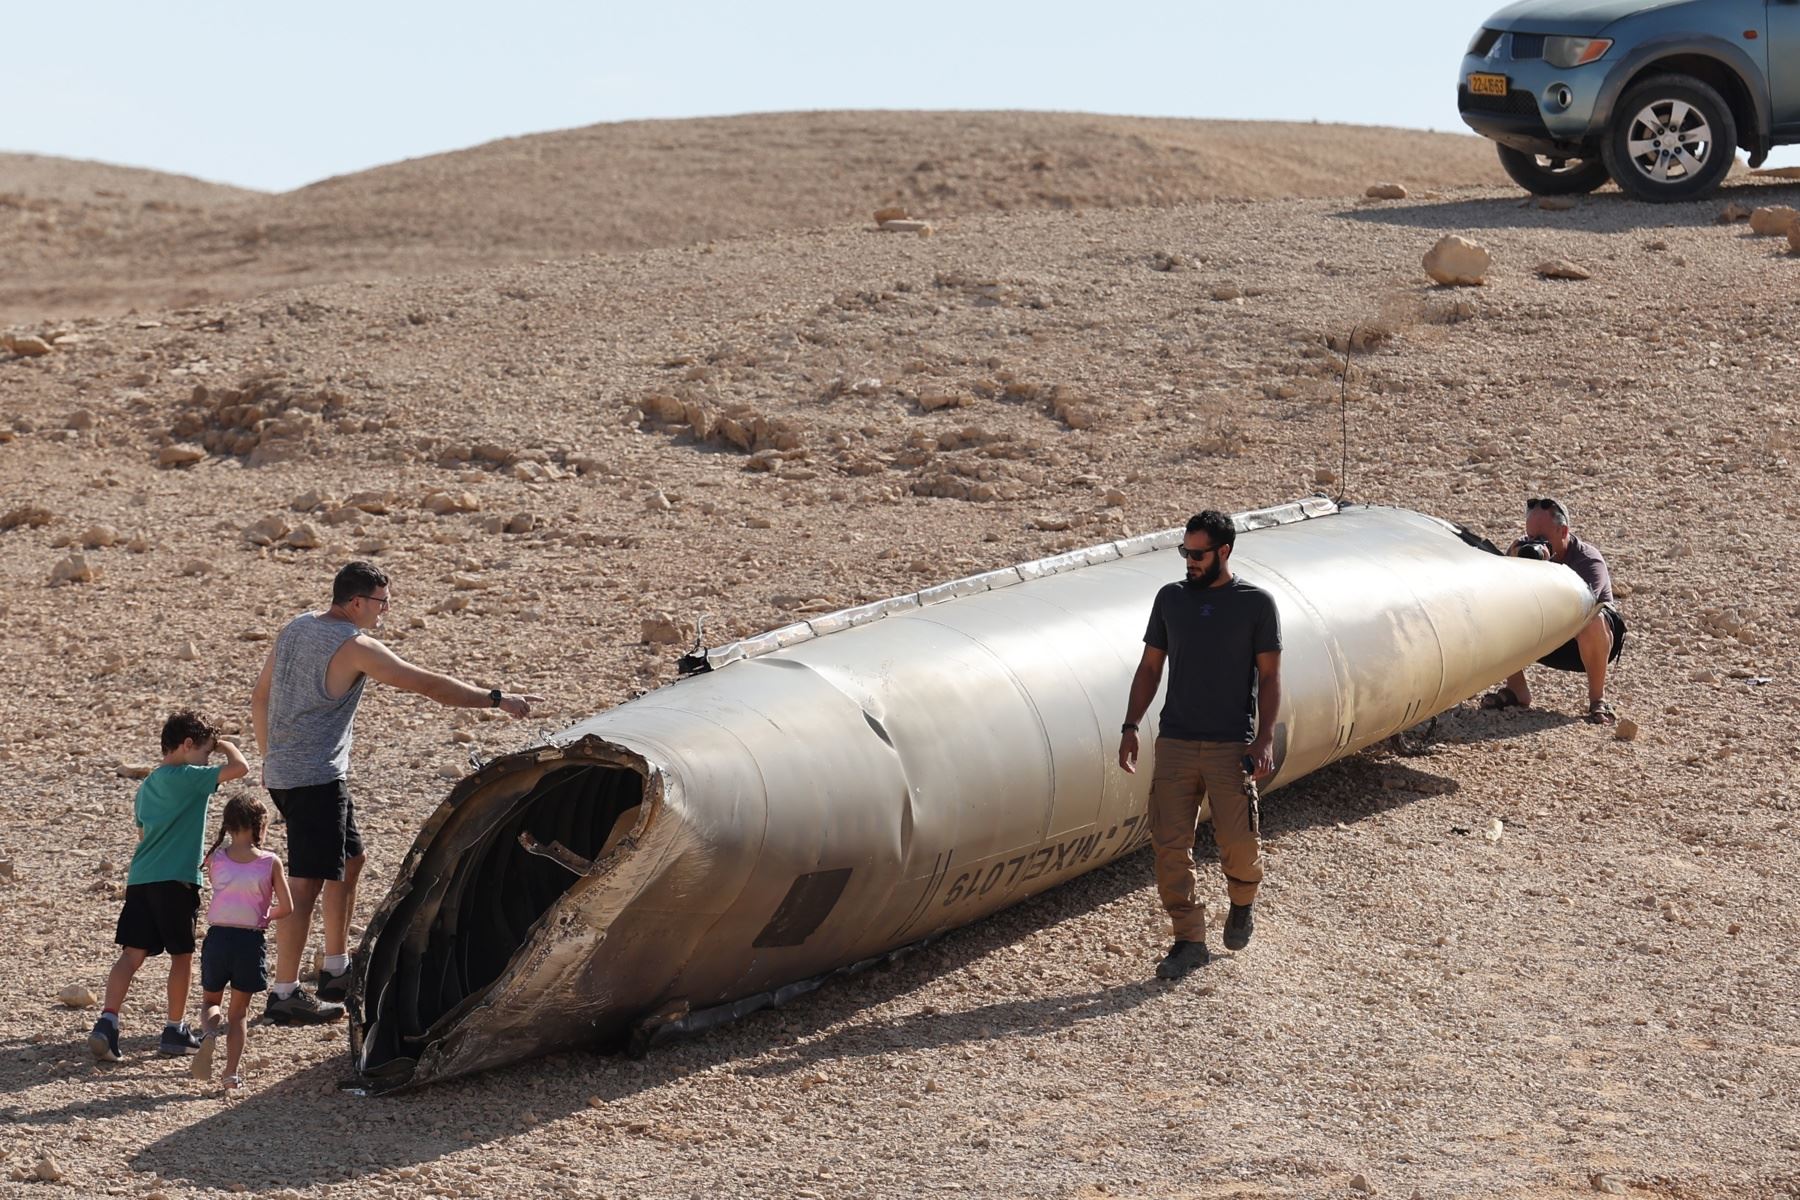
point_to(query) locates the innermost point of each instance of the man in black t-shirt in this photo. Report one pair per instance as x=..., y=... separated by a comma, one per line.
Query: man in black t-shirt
x=1222, y=640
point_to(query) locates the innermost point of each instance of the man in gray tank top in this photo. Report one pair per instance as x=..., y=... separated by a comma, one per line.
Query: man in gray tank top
x=304, y=708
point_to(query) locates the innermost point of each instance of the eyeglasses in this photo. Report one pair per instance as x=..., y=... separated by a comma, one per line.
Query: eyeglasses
x=381, y=600
x=1547, y=503
x=1202, y=552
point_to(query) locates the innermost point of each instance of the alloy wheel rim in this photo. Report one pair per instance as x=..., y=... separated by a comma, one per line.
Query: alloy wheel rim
x=1669, y=141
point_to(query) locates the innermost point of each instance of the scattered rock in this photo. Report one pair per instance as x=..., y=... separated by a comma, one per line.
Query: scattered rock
x=310, y=501
x=1457, y=261
x=658, y=501
x=934, y=400
x=1734, y=212
x=1385, y=191
x=445, y=503
x=521, y=523
x=922, y=228
x=1360, y=1183
x=1226, y=292
x=73, y=569
x=1556, y=203
x=891, y=213
x=188, y=652
x=179, y=454
x=196, y=567
x=135, y=770
x=76, y=995
x=31, y=516
x=7, y=871
x=1495, y=831
x=660, y=629
x=449, y=772
x=1626, y=730
x=99, y=537
x=25, y=346
x=266, y=531
x=303, y=537
x=1773, y=221
x=81, y=420
x=1562, y=268
x=1607, y=1185
x=139, y=544
x=46, y=1171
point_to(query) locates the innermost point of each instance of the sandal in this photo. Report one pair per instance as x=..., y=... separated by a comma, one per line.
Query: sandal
x=1501, y=698
x=1601, y=713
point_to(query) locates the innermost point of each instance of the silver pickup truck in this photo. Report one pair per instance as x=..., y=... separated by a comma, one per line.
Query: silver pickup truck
x=1656, y=95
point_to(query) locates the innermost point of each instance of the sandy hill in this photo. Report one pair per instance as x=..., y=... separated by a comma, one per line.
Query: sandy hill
x=94, y=243
x=564, y=464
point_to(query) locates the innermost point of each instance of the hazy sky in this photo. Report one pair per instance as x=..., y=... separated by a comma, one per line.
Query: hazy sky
x=274, y=96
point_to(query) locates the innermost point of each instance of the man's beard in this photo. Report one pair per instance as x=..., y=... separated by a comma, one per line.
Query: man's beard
x=1206, y=578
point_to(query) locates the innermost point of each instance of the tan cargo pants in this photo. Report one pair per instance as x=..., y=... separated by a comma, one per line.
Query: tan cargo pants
x=1190, y=776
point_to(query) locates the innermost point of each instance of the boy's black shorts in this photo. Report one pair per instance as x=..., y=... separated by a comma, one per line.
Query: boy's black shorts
x=238, y=957
x=321, y=829
x=159, y=916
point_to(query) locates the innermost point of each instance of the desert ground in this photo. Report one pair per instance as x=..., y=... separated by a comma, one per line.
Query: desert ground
x=573, y=391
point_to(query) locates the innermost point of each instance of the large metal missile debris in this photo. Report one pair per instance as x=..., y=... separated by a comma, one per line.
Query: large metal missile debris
x=824, y=794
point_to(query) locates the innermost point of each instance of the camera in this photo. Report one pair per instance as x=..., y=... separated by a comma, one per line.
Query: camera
x=1537, y=548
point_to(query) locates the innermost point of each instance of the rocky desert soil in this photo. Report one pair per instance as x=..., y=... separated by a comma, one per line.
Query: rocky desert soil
x=1523, y=958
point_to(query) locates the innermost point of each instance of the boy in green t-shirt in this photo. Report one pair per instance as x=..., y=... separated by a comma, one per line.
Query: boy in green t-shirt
x=162, y=892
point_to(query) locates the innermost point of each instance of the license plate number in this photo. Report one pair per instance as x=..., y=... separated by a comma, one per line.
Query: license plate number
x=1487, y=85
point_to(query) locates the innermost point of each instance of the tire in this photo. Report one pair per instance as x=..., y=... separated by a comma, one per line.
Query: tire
x=1662, y=118
x=1543, y=177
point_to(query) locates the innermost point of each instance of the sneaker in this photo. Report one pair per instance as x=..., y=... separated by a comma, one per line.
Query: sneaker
x=1182, y=958
x=301, y=1008
x=104, y=1041
x=1239, y=925
x=201, y=1067
x=334, y=986
x=178, y=1041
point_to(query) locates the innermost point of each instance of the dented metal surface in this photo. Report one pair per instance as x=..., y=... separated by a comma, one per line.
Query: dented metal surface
x=824, y=794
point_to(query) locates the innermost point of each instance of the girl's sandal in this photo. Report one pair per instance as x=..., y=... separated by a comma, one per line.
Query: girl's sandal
x=1500, y=698
x=231, y=1083
x=1601, y=713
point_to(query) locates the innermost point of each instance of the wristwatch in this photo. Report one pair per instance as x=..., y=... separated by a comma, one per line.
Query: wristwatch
x=494, y=698
x=1128, y=727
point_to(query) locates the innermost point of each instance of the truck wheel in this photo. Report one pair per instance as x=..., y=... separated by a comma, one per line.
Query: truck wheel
x=1671, y=138
x=1543, y=176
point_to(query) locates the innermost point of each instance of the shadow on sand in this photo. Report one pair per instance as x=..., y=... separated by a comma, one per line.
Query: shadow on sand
x=1604, y=210
x=352, y=1137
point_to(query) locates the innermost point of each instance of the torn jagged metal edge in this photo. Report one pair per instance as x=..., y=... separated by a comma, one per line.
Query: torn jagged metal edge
x=848, y=618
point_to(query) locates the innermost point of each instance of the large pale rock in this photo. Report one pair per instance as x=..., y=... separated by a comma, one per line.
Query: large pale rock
x=660, y=629
x=266, y=531
x=1773, y=221
x=1562, y=268
x=76, y=995
x=1386, y=191
x=99, y=537
x=25, y=346
x=303, y=536
x=32, y=516
x=1457, y=261
x=179, y=454
x=891, y=213
x=922, y=228
x=73, y=569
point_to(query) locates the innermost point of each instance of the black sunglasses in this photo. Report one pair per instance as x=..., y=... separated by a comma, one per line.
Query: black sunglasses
x=1201, y=553
x=1546, y=502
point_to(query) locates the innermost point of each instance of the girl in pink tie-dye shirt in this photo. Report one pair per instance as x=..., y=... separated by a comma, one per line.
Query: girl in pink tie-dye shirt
x=249, y=889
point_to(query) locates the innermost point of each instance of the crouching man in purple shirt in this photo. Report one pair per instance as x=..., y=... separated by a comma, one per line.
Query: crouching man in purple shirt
x=1598, y=643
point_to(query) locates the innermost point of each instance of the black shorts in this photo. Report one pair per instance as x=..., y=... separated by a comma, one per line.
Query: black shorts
x=238, y=957
x=159, y=916
x=321, y=829
x=1567, y=657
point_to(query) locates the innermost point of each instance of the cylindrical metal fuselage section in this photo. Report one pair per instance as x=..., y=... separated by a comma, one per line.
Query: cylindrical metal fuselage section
x=821, y=803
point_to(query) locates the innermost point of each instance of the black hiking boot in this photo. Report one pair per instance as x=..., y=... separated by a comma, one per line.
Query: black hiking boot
x=1239, y=925
x=301, y=1008
x=334, y=986
x=1182, y=958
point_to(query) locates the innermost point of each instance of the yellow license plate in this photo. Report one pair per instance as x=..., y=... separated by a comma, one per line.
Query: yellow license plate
x=1487, y=85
